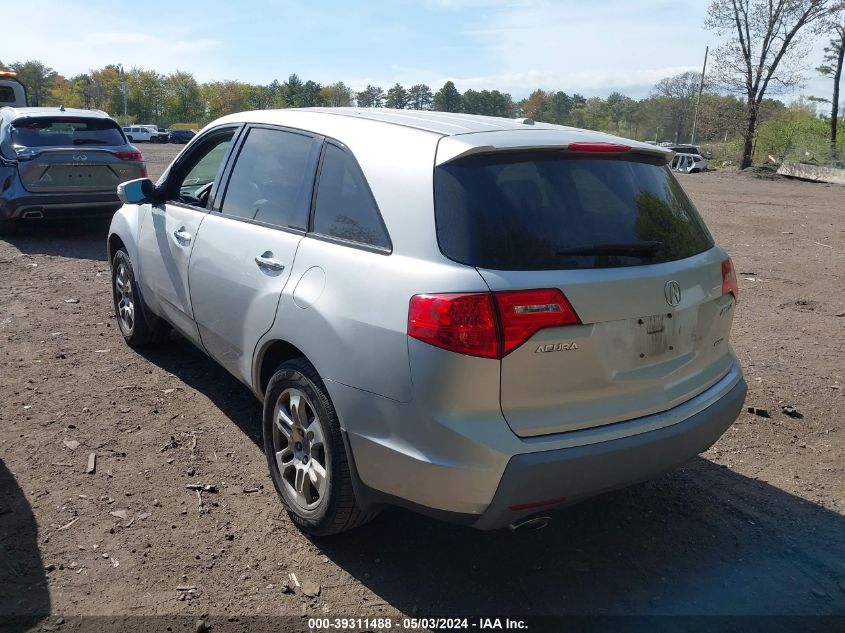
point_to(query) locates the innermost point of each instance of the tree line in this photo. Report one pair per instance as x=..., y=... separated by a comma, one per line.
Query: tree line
x=761, y=55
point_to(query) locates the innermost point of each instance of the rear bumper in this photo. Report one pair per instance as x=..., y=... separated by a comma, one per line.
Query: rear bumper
x=59, y=205
x=472, y=469
x=572, y=474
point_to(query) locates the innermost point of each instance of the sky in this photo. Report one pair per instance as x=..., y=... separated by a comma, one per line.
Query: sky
x=515, y=46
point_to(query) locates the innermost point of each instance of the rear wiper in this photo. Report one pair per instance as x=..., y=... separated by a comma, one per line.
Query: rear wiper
x=633, y=249
x=89, y=141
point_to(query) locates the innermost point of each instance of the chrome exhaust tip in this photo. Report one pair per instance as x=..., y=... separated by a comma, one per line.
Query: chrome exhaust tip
x=531, y=523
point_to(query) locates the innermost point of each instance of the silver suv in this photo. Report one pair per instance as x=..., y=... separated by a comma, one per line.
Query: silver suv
x=477, y=318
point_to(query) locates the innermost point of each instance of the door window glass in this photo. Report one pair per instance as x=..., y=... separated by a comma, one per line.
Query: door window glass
x=201, y=170
x=273, y=178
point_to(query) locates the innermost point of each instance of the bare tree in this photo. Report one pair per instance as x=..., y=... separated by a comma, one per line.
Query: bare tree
x=764, y=52
x=832, y=67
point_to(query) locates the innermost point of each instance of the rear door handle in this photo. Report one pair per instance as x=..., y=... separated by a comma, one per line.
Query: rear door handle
x=182, y=236
x=267, y=262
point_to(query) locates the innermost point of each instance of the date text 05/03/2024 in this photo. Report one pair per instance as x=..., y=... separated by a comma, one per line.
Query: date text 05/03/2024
x=437, y=624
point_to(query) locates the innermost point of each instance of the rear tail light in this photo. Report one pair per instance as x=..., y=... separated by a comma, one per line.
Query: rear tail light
x=6, y=183
x=464, y=323
x=490, y=325
x=130, y=155
x=524, y=312
x=598, y=147
x=729, y=284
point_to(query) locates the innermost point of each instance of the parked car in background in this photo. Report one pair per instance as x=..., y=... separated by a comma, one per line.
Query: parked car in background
x=688, y=163
x=142, y=134
x=61, y=162
x=160, y=136
x=181, y=136
x=12, y=91
x=680, y=148
x=477, y=318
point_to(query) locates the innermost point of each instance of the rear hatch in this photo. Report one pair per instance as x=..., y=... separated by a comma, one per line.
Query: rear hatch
x=73, y=154
x=612, y=230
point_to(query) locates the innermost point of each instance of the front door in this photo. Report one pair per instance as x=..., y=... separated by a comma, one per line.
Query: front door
x=244, y=255
x=168, y=233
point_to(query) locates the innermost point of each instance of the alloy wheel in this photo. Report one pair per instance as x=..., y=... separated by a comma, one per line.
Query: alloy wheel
x=300, y=449
x=125, y=298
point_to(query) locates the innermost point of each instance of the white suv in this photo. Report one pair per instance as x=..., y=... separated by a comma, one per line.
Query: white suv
x=477, y=318
x=142, y=134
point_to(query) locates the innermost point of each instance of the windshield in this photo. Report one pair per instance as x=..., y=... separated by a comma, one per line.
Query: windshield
x=548, y=210
x=65, y=132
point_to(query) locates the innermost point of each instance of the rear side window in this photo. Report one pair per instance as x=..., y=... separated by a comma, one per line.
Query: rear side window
x=7, y=95
x=345, y=207
x=547, y=210
x=65, y=132
x=273, y=178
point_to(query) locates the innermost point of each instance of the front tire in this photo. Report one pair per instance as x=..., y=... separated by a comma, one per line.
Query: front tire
x=306, y=454
x=137, y=325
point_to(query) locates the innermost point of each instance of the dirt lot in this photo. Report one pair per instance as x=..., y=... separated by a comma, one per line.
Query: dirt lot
x=753, y=526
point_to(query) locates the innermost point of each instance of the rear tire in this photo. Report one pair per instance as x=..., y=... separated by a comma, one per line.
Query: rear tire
x=8, y=227
x=306, y=454
x=137, y=324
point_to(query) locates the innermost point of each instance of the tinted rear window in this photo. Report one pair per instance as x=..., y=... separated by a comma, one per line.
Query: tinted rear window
x=65, y=132
x=545, y=210
x=7, y=95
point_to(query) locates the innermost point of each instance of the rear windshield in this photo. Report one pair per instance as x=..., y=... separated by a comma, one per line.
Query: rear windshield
x=546, y=210
x=7, y=95
x=64, y=132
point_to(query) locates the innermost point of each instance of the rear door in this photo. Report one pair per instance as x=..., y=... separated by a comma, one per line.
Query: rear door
x=622, y=242
x=245, y=252
x=169, y=231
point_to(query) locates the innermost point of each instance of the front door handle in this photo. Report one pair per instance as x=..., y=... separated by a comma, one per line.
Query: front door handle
x=182, y=236
x=267, y=262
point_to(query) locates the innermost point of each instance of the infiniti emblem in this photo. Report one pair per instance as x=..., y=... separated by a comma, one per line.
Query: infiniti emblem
x=79, y=157
x=672, y=292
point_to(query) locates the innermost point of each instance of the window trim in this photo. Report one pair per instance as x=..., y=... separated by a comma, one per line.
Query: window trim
x=323, y=237
x=232, y=160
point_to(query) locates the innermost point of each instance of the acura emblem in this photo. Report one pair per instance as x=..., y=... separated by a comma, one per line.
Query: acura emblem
x=672, y=292
x=79, y=157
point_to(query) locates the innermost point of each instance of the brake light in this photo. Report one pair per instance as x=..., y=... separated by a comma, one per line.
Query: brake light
x=463, y=323
x=524, y=312
x=600, y=147
x=729, y=283
x=489, y=325
x=134, y=155
x=6, y=183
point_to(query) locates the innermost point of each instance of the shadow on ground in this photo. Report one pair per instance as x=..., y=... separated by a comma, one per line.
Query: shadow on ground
x=24, y=598
x=701, y=541
x=704, y=540
x=81, y=238
x=179, y=357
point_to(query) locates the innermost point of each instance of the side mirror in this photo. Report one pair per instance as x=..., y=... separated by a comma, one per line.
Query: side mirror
x=138, y=191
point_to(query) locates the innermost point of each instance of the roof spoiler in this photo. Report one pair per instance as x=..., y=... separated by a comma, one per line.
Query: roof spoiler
x=452, y=148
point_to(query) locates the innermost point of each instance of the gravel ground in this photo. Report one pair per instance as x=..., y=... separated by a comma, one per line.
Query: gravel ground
x=753, y=526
